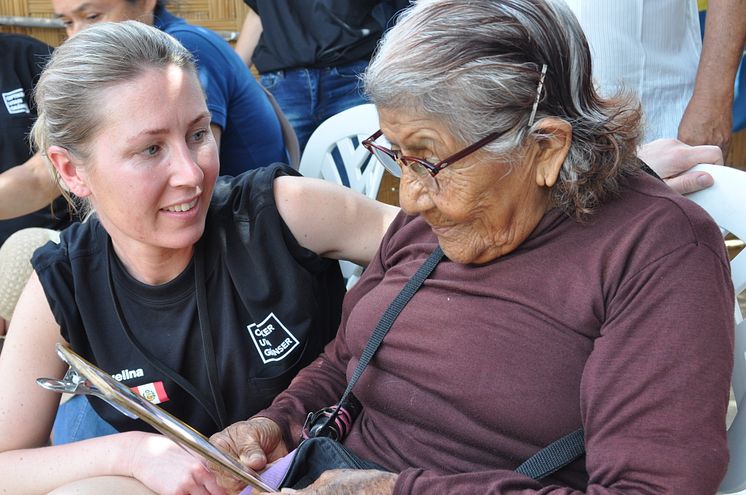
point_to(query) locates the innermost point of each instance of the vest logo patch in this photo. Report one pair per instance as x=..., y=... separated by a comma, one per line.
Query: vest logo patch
x=152, y=392
x=15, y=101
x=272, y=339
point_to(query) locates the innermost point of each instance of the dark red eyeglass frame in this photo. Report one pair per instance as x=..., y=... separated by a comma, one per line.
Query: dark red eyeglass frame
x=432, y=168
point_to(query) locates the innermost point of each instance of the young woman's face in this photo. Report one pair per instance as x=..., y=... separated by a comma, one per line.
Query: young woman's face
x=152, y=165
x=79, y=14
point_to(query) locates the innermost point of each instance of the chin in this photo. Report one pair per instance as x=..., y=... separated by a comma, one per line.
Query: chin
x=456, y=253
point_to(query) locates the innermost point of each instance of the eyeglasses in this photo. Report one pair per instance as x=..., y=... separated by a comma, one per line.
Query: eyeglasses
x=425, y=171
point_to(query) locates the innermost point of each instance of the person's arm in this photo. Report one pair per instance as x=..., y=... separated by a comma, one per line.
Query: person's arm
x=708, y=116
x=27, y=412
x=251, y=31
x=671, y=160
x=342, y=224
x=26, y=188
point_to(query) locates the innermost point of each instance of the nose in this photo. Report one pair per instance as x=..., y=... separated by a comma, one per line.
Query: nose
x=73, y=29
x=414, y=197
x=185, y=169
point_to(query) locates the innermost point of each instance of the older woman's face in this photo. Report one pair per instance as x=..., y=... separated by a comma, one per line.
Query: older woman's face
x=80, y=14
x=482, y=208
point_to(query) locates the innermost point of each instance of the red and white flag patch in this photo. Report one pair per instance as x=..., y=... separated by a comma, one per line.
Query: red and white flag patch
x=152, y=392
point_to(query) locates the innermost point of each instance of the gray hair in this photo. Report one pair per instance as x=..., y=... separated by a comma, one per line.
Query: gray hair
x=68, y=92
x=476, y=66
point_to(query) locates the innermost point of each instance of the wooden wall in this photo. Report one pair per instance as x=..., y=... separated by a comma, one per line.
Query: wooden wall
x=225, y=16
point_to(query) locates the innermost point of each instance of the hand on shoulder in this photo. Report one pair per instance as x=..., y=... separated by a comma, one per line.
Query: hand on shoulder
x=672, y=160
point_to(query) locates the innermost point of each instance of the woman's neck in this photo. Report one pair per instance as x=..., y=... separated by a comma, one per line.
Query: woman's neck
x=153, y=266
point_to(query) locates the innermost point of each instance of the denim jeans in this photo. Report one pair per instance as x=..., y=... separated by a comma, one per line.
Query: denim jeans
x=76, y=420
x=309, y=96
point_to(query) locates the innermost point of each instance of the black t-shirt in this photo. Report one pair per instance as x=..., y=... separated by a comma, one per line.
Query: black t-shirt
x=271, y=305
x=22, y=59
x=318, y=33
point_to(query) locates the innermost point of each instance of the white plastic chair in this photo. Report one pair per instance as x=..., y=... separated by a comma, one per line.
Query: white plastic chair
x=725, y=201
x=342, y=135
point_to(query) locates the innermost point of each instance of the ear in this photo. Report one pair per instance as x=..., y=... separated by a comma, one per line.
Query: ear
x=553, y=143
x=74, y=177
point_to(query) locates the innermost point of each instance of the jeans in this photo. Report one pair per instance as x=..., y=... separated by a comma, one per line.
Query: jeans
x=76, y=420
x=309, y=96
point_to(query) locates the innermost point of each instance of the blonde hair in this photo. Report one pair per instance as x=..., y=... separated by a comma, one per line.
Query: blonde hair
x=104, y=55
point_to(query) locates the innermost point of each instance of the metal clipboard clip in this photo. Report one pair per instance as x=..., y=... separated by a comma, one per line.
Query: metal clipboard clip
x=85, y=378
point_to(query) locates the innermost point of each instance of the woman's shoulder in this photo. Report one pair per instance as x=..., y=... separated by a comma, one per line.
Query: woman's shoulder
x=246, y=194
x=651, y=210
x=78, y=243
x=207, y=46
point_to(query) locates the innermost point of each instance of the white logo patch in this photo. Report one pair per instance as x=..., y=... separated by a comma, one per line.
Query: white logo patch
x=272, y=339
x=15, y=101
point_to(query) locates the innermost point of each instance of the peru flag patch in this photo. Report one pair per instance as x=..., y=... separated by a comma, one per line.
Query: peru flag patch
x=152, y=392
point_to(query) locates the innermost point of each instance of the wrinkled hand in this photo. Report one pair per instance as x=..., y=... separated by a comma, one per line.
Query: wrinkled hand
x=344, y=481
x=671, y=159
x=167, y=469
x=255, y=442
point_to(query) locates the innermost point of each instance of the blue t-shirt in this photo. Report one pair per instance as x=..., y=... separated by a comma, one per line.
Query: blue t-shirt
x=252, y=136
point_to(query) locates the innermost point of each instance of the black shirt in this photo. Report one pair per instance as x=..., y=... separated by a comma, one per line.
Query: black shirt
x=22, y=59
x=270, y=306
x=318, y=33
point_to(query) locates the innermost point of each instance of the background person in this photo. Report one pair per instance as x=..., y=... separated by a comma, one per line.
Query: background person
x=310, y=54
x=654, y=49
x=244, y=123
x=27, y=192
x=574, y=294
x=176, y=275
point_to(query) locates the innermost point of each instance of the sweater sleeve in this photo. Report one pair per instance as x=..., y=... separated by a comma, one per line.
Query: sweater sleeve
x=654, y=392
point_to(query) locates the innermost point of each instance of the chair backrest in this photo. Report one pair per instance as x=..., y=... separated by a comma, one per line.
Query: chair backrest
x=334, y=152
x=725, y=201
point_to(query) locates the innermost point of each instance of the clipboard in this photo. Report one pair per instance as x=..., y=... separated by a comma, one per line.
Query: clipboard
x=84, y=378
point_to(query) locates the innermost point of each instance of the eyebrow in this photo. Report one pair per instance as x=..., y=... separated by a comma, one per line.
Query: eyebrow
x=163, y=130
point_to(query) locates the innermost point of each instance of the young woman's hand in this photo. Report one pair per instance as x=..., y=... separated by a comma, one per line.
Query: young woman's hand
x=168, y=469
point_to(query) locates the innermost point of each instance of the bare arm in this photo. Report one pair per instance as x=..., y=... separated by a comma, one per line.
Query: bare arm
x=332, y=220
x=708, y=116
x=249, y=37
x=26, y=188
x=27, y=412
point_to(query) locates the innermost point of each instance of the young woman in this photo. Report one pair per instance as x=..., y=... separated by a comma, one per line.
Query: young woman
x=213, y=291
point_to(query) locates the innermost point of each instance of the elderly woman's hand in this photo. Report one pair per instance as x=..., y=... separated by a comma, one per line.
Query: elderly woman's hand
x=671, y=159
x=255, y=442
x=359, y=481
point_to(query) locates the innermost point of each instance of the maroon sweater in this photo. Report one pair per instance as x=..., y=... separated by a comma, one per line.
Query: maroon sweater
x=621, y=325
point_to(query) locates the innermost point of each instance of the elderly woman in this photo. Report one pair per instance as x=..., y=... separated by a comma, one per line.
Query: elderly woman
x=577, y=290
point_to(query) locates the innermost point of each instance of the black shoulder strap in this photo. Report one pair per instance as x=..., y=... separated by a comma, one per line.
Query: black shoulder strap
x=390, y=315
x=554, y=456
